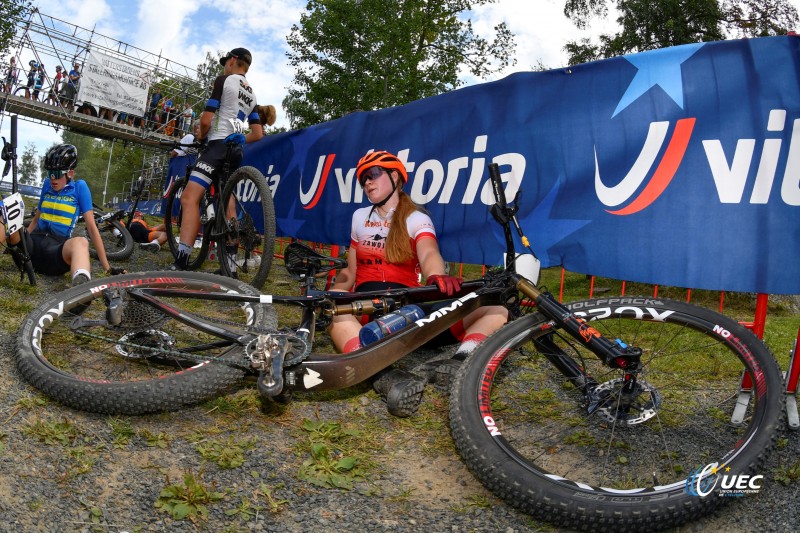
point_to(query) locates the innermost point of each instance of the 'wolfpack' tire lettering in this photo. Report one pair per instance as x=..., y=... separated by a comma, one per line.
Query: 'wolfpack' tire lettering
x=522, y=429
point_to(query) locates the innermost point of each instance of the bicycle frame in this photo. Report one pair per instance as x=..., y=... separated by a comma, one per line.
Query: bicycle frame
x=228, y=227
x=327, y=371
x=321, y=371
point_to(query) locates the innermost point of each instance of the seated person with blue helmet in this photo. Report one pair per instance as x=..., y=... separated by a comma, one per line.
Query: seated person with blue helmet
x=53, y=249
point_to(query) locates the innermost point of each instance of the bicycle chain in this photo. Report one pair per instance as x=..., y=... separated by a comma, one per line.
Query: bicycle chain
x=291, y=339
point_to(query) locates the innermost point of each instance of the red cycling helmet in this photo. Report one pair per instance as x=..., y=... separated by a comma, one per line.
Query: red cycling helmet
x=383, y=159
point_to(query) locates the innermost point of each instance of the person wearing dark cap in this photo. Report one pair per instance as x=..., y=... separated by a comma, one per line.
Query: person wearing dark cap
x=229, y=109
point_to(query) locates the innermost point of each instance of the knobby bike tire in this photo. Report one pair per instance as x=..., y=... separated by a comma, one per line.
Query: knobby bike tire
x=173, y=216
x=117, y=241
x=105, y=369
x=522, y=429
x=254, y=248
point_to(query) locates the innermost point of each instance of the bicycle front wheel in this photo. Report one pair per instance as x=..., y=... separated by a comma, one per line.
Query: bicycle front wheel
x=249, y=242
x=173, y=218
x=117, y=241
x=647, y=456
x=150, y=362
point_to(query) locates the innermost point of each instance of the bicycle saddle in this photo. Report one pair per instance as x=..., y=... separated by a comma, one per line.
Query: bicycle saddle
x=302, y=261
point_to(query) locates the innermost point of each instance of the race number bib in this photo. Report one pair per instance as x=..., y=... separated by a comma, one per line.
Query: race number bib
x=238, y=125
x=13, y=212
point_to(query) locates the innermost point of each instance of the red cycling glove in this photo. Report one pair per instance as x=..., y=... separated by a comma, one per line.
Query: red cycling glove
x=446, y=284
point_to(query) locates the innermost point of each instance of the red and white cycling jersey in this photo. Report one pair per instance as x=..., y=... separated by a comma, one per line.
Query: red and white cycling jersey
x=368, y=239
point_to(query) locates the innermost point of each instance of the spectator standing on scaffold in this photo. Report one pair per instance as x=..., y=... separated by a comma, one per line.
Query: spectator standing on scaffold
x=38, y=82
x=31, y=78
x=232, y=102
x=52, y=97
x=11, y=75
x=71, y=87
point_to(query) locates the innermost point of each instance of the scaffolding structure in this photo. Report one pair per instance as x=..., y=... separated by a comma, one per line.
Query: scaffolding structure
x=51, y=41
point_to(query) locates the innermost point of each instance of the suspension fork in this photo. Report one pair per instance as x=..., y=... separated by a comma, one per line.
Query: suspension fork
x=615, y=354
x=565, y=364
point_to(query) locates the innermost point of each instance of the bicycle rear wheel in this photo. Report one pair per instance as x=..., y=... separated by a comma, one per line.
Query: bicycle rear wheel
x=526, y=432
x=149, y=362
x=250, y=234
x=173, y=217
x=117, y=240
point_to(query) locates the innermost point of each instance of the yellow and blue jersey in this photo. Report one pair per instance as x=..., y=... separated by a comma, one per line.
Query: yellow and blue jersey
x=59, y=211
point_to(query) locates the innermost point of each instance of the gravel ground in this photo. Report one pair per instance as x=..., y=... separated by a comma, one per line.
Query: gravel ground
x=64, y=470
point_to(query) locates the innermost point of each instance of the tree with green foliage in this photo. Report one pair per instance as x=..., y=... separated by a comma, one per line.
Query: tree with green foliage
x=372, y=54
x=28, y=165
x=652, y=24
x=208, y=70
x=10, y=12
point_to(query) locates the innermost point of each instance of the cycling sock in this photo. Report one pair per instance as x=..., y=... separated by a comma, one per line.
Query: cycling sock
x=82, y=271
x=184, y=248
x=351, y=345
x=468, y=344
x=230, y=250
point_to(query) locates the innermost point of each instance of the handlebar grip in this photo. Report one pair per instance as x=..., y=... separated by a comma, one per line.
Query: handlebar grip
x=497, y=185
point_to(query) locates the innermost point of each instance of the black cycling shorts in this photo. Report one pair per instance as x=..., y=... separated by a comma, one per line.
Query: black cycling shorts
x=208, y=165
x=46, y=254
x=139, y=232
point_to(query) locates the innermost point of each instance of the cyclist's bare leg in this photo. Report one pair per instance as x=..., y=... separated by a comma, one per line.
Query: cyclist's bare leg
x=231, y=244
x=190, y=207
x=12, y=239
x=485, y=320
x=344, y=333
x=76, y=254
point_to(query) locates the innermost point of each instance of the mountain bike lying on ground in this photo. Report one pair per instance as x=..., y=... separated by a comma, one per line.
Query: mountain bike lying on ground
x=617, y=413
x=117, y=239
x=12, y=209
x=243, y=232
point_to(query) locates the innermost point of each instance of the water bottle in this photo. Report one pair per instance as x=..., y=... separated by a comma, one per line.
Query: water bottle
x=388, y=324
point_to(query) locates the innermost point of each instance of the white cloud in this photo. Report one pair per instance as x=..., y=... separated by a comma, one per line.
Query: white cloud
x=541, y=30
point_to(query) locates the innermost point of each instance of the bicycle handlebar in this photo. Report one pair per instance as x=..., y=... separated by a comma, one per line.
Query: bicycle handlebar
x=178, y=144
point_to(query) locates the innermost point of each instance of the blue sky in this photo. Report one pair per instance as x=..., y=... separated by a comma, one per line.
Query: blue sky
x=185, y=30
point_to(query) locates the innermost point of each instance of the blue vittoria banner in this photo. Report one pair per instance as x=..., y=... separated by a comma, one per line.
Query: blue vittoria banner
x=678, y=166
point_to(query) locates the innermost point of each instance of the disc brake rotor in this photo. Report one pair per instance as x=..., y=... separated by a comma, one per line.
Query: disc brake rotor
x=627, y=408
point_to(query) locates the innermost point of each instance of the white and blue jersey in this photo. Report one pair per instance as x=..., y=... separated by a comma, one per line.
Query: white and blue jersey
x=234, y=106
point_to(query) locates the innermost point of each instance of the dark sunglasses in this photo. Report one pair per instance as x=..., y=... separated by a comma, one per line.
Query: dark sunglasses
x=56, y=174
x=370, y=174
